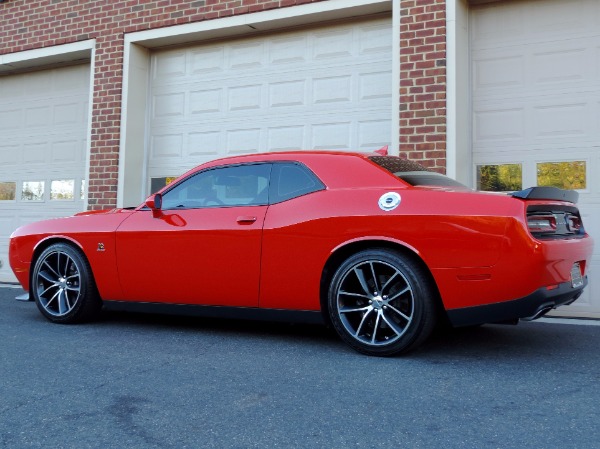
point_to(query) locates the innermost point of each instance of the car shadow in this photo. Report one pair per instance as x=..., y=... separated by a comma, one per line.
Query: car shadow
x=310, y=334
x=488, y=342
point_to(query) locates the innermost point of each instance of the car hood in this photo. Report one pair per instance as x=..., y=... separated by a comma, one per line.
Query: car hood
x=83, y=222
x=103, y=211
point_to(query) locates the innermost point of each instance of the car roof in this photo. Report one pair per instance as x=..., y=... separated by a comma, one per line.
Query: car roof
x=335, y=168
x=298, y=155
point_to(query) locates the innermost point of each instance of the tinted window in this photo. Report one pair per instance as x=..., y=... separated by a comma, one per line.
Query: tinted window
x=291, y=180
x=240, y=185
x=413, y=173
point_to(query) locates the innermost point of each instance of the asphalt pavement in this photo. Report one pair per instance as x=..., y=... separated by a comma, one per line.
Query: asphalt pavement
x=150, y=381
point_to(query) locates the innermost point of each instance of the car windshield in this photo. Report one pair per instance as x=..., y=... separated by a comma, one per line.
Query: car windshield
x=413, y=173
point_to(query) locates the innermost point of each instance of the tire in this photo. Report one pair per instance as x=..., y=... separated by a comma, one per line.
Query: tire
x=63, y=286
x=382, y=303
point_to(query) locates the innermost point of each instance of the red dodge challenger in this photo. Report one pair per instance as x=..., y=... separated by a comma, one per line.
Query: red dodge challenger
x=376, y=246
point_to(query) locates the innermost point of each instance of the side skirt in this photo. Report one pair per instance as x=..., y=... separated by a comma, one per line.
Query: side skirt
x=241, y=313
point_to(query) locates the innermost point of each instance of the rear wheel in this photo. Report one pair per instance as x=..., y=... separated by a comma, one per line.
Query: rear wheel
x=63, y=286
x=381, y=302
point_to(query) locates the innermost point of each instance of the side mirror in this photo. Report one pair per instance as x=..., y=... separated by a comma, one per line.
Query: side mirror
x=154, y=202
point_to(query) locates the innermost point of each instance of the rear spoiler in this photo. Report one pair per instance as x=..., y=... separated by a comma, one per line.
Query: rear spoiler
x=547, y=193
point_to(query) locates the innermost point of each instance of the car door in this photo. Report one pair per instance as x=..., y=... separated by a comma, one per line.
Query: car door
x=205, y=245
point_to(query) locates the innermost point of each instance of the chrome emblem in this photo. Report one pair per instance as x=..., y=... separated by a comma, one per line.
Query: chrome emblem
x=100, y=246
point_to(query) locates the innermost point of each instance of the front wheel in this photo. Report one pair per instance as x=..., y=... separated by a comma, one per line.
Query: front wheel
x=381, y=302
x=63, y=286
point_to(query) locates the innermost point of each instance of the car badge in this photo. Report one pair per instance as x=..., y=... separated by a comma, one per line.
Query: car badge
x=100, y=246
x=389, y=201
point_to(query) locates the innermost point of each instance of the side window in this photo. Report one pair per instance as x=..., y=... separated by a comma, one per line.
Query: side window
x=291, y=180
x=238, y=185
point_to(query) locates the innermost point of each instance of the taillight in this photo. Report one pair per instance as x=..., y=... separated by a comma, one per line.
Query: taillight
x=573, y=223
x=541, y=223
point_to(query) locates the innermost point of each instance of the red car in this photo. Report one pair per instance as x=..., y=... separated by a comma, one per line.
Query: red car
x=375, y=245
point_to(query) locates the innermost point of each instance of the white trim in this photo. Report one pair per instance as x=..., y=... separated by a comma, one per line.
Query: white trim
x=458, y=141
x=88, y=150
x=57, y=54
x=451, y=88
x=46, y=56
x=396, y=78
x=259, y=21
x=132, y=142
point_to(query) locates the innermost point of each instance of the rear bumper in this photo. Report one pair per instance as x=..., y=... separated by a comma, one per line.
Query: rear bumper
x=529, y=307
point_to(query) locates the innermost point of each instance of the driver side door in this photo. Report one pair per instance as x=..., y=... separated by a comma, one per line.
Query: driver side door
x=205, y=246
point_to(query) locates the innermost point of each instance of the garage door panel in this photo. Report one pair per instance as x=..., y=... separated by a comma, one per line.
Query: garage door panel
x=286, y=138
x=288, y=94
x=502, y=125
x=203, y=144
x=243, y=141
x=9, y=154
x=556, y=63
x=246, y=56
x=10, y=118
x=561, y=119
x=372, y=134
x=290, y=50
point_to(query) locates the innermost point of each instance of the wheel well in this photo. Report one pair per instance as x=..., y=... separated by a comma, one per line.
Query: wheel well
x=341, y=254
x=45, y=244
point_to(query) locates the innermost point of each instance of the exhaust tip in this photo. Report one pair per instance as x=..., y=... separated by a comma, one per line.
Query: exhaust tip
x=540, y=313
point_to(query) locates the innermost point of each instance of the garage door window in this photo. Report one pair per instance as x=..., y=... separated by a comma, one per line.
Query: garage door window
x=8, y=191
x=158, y=183
x=62, y=189
x=500, y=177
x=33, y=191
x=564, y=175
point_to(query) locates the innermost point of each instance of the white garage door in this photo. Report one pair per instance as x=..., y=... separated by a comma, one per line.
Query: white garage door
x=536, y=106
x=43, y=124
x=311, y=89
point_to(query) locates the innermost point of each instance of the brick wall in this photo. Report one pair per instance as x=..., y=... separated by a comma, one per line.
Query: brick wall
x=26, y=25
x=423, y=82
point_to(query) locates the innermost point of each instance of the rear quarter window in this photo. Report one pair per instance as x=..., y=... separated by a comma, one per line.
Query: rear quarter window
x=291, y=180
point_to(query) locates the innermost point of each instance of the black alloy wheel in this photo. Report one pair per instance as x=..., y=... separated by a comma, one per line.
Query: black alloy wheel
x=382, y=303
x=63, y=286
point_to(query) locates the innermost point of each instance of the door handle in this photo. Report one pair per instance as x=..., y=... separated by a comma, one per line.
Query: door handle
x=246, y=219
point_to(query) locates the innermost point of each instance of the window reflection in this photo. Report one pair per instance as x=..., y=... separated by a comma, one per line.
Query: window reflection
x=564, y=175
x=500, y=177
x=33, y=191
x=63, y=189
x=8, y=191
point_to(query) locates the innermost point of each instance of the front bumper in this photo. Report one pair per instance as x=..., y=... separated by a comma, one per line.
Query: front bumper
x=530, y=307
